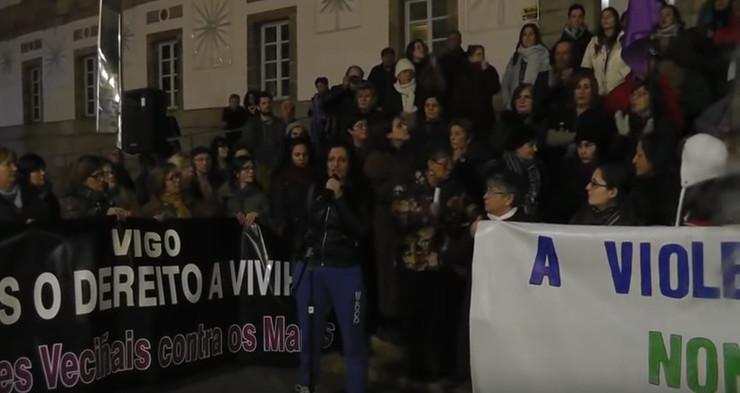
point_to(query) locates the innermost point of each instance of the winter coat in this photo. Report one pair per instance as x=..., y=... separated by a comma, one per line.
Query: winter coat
x=523, y=67
x=33, y=207
x=619, y=100
x=613, y=216
x=608, y=67
x=580, y=40
x=473, y=98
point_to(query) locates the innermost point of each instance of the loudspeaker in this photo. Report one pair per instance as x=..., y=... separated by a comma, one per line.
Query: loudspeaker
x=144, y=124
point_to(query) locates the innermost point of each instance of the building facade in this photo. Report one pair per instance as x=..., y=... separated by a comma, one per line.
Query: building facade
x=200, y=51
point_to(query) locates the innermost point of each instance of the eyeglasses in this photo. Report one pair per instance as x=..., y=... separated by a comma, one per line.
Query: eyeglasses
x=97, y=175
x=595, y=184
x=248, y=169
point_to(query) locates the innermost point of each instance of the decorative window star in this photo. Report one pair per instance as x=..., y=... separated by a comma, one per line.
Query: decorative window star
x=127, y=36
x=211, y=27
x=56, y=57
x=336, y=6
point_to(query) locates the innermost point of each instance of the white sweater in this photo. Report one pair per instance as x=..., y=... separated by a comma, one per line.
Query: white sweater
x=609, y=70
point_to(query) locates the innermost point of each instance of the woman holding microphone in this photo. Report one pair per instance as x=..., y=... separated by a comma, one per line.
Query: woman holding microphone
x=331, y=272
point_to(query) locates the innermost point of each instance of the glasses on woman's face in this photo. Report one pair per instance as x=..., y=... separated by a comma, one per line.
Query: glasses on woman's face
x=595, y=183
x=248, y=168
x=98, y=175
x=173, y=177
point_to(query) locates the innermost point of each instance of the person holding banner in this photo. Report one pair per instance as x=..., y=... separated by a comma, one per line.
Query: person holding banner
x=331, y=271
x=606, y=199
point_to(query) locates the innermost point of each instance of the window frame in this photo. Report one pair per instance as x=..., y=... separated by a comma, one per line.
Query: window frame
x=430, y=19
x=35, y=88
x=279, y=79
x=173, y=71
x=90, y=111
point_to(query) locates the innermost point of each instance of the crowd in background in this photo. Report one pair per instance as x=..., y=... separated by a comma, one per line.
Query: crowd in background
x=422, y=148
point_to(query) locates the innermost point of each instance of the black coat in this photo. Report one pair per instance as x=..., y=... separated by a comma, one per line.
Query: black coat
x=338, y=228
x=34, y=208
x=382, y=80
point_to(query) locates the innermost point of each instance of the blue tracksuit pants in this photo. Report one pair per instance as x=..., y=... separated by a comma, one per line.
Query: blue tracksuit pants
x=342, y=288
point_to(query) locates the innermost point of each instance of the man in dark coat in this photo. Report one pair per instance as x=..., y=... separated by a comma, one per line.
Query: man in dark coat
x=577, y=32
x=382, y=76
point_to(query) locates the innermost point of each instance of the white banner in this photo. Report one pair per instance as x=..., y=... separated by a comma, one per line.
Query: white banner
x=605, y=309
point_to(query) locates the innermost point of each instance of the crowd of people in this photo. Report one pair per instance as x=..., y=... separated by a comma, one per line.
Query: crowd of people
x=387, y=184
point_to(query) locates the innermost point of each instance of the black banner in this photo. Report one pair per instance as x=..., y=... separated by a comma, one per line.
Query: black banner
x=95, y=304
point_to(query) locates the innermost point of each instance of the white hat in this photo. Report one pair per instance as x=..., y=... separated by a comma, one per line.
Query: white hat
x=704, y=157
x=403, y=65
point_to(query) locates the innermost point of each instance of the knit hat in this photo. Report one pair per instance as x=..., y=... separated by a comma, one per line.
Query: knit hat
x=293, y=125
x=704, y=157
x=403, y=65
x=519, y=136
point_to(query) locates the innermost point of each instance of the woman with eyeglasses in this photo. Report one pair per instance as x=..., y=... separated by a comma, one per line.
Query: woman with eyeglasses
x=87, y=196
x=606, y=204
x=167, y=199
x=243, y=197
x=32, y=173
x=119, y=194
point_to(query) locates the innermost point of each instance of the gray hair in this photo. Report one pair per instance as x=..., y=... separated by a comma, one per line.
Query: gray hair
x=507, y=183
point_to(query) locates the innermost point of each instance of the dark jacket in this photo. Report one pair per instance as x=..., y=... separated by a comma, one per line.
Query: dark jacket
x=382, y=80
x=580, y=42
x=453, y=63
x=621, y=216
x=85, y=203
x=34, y=208
x=472, y=97
x=338, y=227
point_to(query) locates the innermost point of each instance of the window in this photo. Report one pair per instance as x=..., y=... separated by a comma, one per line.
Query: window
x=275, y=55
x=168, y=59
x=34, y=90
x=427, y=20
x=90, y=77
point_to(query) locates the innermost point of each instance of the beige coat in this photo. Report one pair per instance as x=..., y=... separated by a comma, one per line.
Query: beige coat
x=609, y=70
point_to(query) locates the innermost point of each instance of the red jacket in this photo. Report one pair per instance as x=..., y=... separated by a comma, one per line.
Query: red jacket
x=619, y=100
x=730, y=34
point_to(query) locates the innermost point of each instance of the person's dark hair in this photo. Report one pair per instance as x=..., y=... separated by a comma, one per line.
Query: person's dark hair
x=236, y=166
x=356, y=67
x=507, y=183
x=576, y=7
x=660, y=156
x=234, y=95
x=517, y=93
x=465, y=124
x=410, y=49
x=355, y=169
x=251, y=93
x=657, y=97
x=217, y=143
x=519, y=136
x=264, y=94
x=577, y=78
x=601, y=38
x=27, y=164
x=83, y=168
x=321, y=79
x=158, y=177
x=198, y=150
x=437, y=151
x=454, y=32
x=387, y=51
x=365, y=86
x=616, y=176
x=237, y=147
x=287, y=157
x=473, y=48
x=555, y=47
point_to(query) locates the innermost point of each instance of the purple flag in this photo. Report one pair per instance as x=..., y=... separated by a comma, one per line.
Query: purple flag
x=641, y=22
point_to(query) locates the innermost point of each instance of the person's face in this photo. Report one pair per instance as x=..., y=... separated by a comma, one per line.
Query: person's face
x=8, y=173
x=299, y=156
x=364, y=99
x=458, y=137
x=202, y=163
x=640, y=100
x=432, y=109
x=96, y=181
x=599, y=195
x=399, y=131
x=37, y=177
x=116, y=156
x=497, y=202
x=359, y=131
x=389, y=59
x=528, y=37
x=186, y=175
x=252, y=99
x=233, y=102
x=246, y=173
x=321, y=87
x=241, y=153
x=355, y=72
x=223, y=151
x=478, y=56
x=526, y=151
x=667, y=19
x=108, y=177
x=583, y=93
x=524, y=102
x=454, y=41
x=586, y=152
x=287, y=108
x=419, y=53
x=575, y=19
x=440, y=168
x=563, y=53
x=297, y=132
x=337, y=163
x=643, y=166
x=172, y=183
x=608, y=21
x=265, y=105
x=405, y=77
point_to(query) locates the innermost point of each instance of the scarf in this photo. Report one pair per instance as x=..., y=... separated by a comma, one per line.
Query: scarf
x=408, y=95
x=298, y=176
x=533, y=58
x=13, y=196
x=669, y=32
x=574, y=33
x=181, y=210
x=528, y=169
